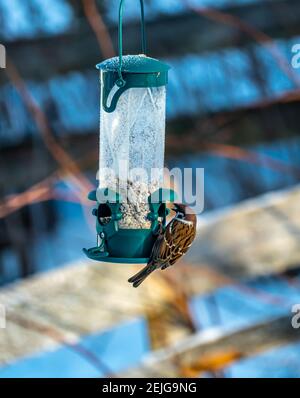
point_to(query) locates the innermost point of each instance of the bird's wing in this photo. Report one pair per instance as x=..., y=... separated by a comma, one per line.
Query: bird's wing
x=180, y=236
x=173, y=244
x=157, y=251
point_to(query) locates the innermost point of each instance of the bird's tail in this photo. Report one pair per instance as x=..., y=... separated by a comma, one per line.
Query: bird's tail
x=138, y=278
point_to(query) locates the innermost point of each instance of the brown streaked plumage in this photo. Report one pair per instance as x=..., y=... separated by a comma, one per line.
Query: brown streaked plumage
x=171, y=244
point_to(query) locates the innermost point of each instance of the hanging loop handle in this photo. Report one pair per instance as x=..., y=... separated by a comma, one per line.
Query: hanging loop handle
x=121, y=82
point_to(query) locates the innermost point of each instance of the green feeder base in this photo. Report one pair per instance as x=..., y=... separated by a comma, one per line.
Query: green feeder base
x=128, y=246
x=94, y=254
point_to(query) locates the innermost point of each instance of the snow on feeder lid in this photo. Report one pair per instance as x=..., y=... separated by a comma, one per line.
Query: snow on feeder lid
x=130, y=208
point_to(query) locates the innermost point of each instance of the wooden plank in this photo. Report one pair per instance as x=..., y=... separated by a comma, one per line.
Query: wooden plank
x=78, y=49
x=257, y=237
x=212, y=350
x=84, y=298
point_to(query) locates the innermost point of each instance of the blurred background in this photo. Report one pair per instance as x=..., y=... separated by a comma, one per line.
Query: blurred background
x=233, y=109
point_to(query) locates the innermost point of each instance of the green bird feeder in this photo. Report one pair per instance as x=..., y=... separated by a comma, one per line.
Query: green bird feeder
x=130, y=202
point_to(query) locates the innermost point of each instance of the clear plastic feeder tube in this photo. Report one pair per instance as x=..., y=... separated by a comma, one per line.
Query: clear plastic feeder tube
x=132, y=146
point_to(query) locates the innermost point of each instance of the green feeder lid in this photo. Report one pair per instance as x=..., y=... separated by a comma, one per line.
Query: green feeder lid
x=134, y=64
x=135, y=71
x=130, y=71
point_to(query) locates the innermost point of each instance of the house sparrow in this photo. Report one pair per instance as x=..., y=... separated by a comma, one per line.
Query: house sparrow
x=171, y=244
